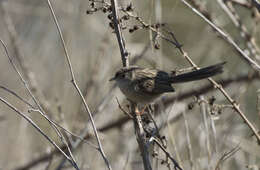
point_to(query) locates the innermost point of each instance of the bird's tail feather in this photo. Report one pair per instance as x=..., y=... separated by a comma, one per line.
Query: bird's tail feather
x=199, y=74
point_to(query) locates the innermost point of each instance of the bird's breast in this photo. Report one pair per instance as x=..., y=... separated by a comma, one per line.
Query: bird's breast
x=135, y=94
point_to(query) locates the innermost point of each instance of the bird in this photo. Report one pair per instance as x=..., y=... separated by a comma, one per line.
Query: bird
x=145, y=85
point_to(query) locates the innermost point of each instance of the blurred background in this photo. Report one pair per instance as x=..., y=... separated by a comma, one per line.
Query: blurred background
x=196, y=140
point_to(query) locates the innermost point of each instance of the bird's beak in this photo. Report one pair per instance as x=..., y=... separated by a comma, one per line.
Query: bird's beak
x=113, y=78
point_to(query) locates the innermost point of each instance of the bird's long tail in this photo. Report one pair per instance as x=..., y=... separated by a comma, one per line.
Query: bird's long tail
x=199, y=74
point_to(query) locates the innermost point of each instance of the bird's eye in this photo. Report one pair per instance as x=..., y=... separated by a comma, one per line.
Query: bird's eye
x=120, y=75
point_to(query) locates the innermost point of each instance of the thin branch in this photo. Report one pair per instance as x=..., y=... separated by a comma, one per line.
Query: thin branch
x=148, y=26
x=250, y=42
x=36, y=110
x=213, y=128
x=28, y=119
x=227, y=155
x=68, y=132
x=245, y=4
x=225, y=36
x=121, y=108
x=188, y=139
x=206, y=127
x=176, y=165
x=16, y=95
x=77, y=88
x=20, y=75
x=121, y=42
x=141, y=139
x=52, y=121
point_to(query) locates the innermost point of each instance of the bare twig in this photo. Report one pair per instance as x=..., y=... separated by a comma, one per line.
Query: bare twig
x=176, y=165
x=227, y=155
x=205, y=120
x=16, y=95
x=76, y=86
x=188, y=139
x=148, y=26
x=68, y=132
x=225, y=36
x=231, y=12
x=52, y=121
x=245, y=4
x=141, y=139
x=120, y=39
x=214, y=131
x=28, y=119
x=121, y=108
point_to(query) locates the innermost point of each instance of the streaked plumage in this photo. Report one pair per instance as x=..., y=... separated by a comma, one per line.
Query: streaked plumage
x=143, y=85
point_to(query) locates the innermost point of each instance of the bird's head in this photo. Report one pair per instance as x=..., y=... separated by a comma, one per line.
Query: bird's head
x=124, y=73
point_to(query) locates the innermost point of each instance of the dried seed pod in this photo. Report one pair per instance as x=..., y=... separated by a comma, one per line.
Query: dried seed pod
x=157, y=46
x=129, y=7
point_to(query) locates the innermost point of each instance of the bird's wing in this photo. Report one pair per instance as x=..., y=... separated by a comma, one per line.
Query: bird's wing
x=153, y=81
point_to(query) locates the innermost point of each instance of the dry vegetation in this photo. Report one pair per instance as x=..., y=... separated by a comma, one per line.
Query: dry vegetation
x=201, y=125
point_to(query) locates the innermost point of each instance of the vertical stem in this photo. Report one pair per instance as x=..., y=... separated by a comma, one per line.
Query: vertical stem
x=120, y=39
x=141, y=138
